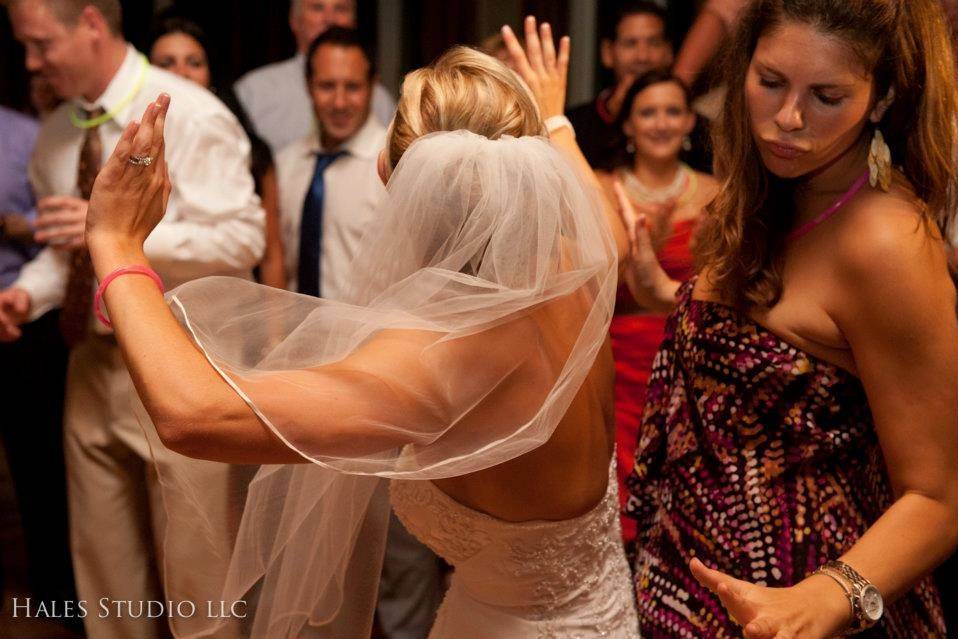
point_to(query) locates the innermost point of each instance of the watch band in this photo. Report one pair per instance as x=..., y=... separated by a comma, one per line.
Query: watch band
x=854, y=586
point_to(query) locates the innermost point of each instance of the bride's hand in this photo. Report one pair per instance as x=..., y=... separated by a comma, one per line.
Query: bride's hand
x=540, y=66
x=128, y=200
x=648, y=282
x=815, y=608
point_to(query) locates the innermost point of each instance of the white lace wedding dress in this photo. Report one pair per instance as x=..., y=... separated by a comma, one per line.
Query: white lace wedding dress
x=562, y=579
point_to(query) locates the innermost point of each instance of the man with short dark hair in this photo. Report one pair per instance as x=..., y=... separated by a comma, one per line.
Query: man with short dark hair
x=330, y=194
x=329, y=190
x=213, y=225
x=274, y=96
x=634, y=42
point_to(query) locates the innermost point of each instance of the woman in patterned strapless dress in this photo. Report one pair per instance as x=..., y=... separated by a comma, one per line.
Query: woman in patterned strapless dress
x=656, y=119
x=796, y=469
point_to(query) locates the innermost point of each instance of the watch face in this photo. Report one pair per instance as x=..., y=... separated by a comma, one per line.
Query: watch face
x=872, y=604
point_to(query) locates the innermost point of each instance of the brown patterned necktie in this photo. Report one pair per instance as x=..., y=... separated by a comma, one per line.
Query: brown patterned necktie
x=78, y=300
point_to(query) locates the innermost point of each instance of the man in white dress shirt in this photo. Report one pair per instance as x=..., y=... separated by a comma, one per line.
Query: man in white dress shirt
x=330, y=193
x=214, y=225
x=274, y=96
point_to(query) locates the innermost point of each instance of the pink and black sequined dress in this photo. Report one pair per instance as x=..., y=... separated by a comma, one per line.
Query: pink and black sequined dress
x=759, y=459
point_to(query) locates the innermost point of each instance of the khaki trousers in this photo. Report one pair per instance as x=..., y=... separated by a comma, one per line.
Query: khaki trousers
x=116, y=512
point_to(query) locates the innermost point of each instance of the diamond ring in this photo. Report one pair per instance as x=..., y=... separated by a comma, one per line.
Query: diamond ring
x=140, y=160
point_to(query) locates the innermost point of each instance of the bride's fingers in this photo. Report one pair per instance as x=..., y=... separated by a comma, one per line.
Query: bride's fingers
x=519, y=59
x=548, y=47
x=156, y=146
x=533, y=46
x=121, y=153
x=562, y=63
x=143, y=140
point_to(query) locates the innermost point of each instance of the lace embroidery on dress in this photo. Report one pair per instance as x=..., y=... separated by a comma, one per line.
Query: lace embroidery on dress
x=558, y=573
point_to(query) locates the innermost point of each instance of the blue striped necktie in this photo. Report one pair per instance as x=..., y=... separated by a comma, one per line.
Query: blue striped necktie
x=311, y=228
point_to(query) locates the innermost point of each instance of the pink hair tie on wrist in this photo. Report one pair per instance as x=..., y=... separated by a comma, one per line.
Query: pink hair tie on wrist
x=123, y=270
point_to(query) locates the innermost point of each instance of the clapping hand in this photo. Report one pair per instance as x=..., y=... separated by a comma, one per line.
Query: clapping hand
x=648, y=282
x=131, y=191
x=544, y=70
x=659, y=217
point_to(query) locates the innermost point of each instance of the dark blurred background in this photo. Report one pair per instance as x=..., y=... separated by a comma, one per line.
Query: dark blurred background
x=246, y=34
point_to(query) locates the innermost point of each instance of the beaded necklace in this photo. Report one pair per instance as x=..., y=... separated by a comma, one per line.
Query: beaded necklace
x=682, y=188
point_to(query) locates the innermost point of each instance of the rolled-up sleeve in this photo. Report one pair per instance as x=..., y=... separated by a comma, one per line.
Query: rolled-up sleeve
x=44, y=278
x=214, y=224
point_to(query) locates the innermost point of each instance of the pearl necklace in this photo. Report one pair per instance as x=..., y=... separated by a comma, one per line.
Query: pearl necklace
x=639, y=192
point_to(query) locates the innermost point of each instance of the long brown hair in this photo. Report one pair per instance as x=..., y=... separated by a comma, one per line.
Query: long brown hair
x=906, y=45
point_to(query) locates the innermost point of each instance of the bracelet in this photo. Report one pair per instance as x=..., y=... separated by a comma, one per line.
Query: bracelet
x=123, y=270
x=556, y=122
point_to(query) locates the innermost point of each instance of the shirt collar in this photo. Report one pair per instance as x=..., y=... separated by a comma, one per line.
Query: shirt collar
x=365, y=144
x=124, y=81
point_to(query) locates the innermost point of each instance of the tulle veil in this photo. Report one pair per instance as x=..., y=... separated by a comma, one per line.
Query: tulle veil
x=492, y=273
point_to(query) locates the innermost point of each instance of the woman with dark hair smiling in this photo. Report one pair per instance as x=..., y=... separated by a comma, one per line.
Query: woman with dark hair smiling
x=655, y=121
x=180, y=46
x=799, y=446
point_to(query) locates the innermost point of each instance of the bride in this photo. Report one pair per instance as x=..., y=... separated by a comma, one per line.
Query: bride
x=469, y=366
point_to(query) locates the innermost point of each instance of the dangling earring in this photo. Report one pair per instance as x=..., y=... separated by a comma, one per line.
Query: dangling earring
x=879, y=162
x=630, y=147
x=686, y=144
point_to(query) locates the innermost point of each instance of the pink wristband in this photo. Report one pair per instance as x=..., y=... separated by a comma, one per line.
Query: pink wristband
x=124, y=270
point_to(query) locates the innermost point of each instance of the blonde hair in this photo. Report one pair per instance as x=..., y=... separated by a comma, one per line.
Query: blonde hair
x=463, y=89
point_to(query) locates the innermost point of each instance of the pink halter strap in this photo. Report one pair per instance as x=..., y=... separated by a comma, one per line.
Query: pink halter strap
x=804, y=229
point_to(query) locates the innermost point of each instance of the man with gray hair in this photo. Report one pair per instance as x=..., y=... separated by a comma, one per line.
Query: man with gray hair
x=214, y=225
x=274, y=96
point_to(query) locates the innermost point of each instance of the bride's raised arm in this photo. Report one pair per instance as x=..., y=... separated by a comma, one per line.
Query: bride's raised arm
x=546, y=72
x=194, y=409
x=464, y=328
x=173, y=378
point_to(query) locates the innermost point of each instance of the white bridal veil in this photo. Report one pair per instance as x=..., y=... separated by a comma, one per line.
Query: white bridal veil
x=481, y=299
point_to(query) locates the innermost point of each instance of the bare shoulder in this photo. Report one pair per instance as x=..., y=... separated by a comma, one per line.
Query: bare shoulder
x=708, y=188
x=889, y=255
x=708, y=183
x=882, y=231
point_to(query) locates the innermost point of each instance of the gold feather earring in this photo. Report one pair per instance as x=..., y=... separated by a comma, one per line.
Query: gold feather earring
x=879, y=162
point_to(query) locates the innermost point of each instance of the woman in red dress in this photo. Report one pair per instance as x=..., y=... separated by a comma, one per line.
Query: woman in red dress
x=656, y=121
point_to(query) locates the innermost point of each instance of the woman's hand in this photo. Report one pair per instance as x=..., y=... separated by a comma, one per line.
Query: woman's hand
x=648, y=282
x=128, y=200
x=542, y=69
x=815, y=608
x=660, y=220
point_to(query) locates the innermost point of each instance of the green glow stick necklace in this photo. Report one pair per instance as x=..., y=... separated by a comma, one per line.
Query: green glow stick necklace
x=81, y=123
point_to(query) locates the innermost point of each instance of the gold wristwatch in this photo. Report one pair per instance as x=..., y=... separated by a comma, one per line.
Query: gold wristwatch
x=865, y=599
